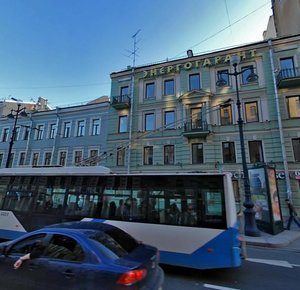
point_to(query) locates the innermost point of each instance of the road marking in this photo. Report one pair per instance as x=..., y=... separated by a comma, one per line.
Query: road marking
x=218, y=287
x=280, y=263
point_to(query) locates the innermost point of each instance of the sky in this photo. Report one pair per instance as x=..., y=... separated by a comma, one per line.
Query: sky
x=65, y=50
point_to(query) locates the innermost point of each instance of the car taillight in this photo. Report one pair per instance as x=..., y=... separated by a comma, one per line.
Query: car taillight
x=132, y=277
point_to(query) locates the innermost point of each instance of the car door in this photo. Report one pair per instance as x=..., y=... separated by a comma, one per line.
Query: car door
x=26, y=277
x=63, y=263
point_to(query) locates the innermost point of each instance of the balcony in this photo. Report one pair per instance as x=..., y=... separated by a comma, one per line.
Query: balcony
x=195, y=129
x=288, y=78
x=121, y=102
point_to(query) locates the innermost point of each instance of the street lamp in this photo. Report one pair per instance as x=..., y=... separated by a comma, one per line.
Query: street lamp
x=249, y=213
x=18, y=112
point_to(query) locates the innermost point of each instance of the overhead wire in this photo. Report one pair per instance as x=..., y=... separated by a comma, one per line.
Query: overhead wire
x=223, y=29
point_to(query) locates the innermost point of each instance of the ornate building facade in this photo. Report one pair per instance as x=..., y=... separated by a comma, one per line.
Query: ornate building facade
x=174, y=116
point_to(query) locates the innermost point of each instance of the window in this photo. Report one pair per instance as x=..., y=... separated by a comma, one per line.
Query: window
x=24, y=245
x=148, y=155
x=52, y=132
x=22, y=158
x=47, y=160
x=149, y=122
x=11, y=160
x=5, y=134
x=194, y=82
x=80, y=128
x=224, y=76
x=35, y=159
x=169, y=120
x=39, y=132
x=287, y=67
x=169, y=154
x=17, y=133
x=150, y=91
x=293, y=104
x=26, y=132
x=124, y=93
x=78, y=157
x=196, y=118
x=95, y=127
x=228, y=152
x=169, y=87
x=255, y=151
x=1, y=159
x=246, y=72
x=64, y=248
x=94, y=155
x=67, y=130
x=226, y=115
x=251, y=112
x=296, y=149
x=197, y=153
x=62, y=158
x=121, y=156
x=123, y=120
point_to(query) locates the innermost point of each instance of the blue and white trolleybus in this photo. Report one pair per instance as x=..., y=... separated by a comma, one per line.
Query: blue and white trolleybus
x=190, y=217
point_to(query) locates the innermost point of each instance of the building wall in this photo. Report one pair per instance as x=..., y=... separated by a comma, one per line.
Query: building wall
x=40, y=140
x=209, y=97
x=286, y=17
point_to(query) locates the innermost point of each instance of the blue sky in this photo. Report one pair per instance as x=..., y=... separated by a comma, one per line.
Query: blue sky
x=65, y=50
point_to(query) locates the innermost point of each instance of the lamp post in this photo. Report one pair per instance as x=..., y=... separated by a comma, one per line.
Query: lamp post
x=249, y=213
x=18, y=112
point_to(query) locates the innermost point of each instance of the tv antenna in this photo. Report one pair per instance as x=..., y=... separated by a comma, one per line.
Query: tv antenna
x=135, y=49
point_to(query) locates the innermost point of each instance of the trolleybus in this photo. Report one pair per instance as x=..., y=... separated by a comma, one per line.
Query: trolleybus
x=190, y=217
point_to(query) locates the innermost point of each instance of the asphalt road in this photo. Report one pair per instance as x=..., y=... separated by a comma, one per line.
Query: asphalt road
x=264, y=268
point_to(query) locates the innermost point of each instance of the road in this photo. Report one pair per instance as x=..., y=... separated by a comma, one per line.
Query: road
x=264, y=268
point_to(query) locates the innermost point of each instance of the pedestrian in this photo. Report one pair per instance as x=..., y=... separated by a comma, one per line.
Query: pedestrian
x=292, y=215
x=36, y=252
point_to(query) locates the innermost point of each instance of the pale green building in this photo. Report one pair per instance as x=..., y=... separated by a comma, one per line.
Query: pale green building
x=177, y=118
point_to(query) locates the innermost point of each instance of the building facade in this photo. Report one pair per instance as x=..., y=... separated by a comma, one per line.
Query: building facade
x=64, y=136
x=174, y=116
x=286, y=17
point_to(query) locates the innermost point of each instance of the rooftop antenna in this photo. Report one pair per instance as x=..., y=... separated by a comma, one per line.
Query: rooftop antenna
x=131, y=99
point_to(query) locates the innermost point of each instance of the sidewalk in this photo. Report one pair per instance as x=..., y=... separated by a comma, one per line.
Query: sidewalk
x=282, y=239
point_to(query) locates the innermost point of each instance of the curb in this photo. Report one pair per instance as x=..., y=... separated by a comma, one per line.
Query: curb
x=282, y=239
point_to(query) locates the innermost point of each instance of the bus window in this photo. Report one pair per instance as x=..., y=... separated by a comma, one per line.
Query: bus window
x=17, y=200
x=153, y=208
x=24, y=201
x=10, y=200
x=84, y=205
x=214, y=207
x=2, y=197
x=122, y=204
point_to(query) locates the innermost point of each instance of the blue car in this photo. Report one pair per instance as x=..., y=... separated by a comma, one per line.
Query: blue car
x=80, y=255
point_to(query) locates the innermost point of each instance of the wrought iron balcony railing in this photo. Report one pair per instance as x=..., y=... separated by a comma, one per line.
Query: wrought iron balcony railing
x=288, y=78
x=196, y=128
x=121, y=102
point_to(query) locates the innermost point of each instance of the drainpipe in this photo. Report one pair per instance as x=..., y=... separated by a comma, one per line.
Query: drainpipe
x=130, y=121
x=285, y=164
x=28, y=140
x=55, y=137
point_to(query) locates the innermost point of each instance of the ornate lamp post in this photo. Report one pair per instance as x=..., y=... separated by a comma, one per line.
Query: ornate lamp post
x=18, y=112
x=249, y=213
